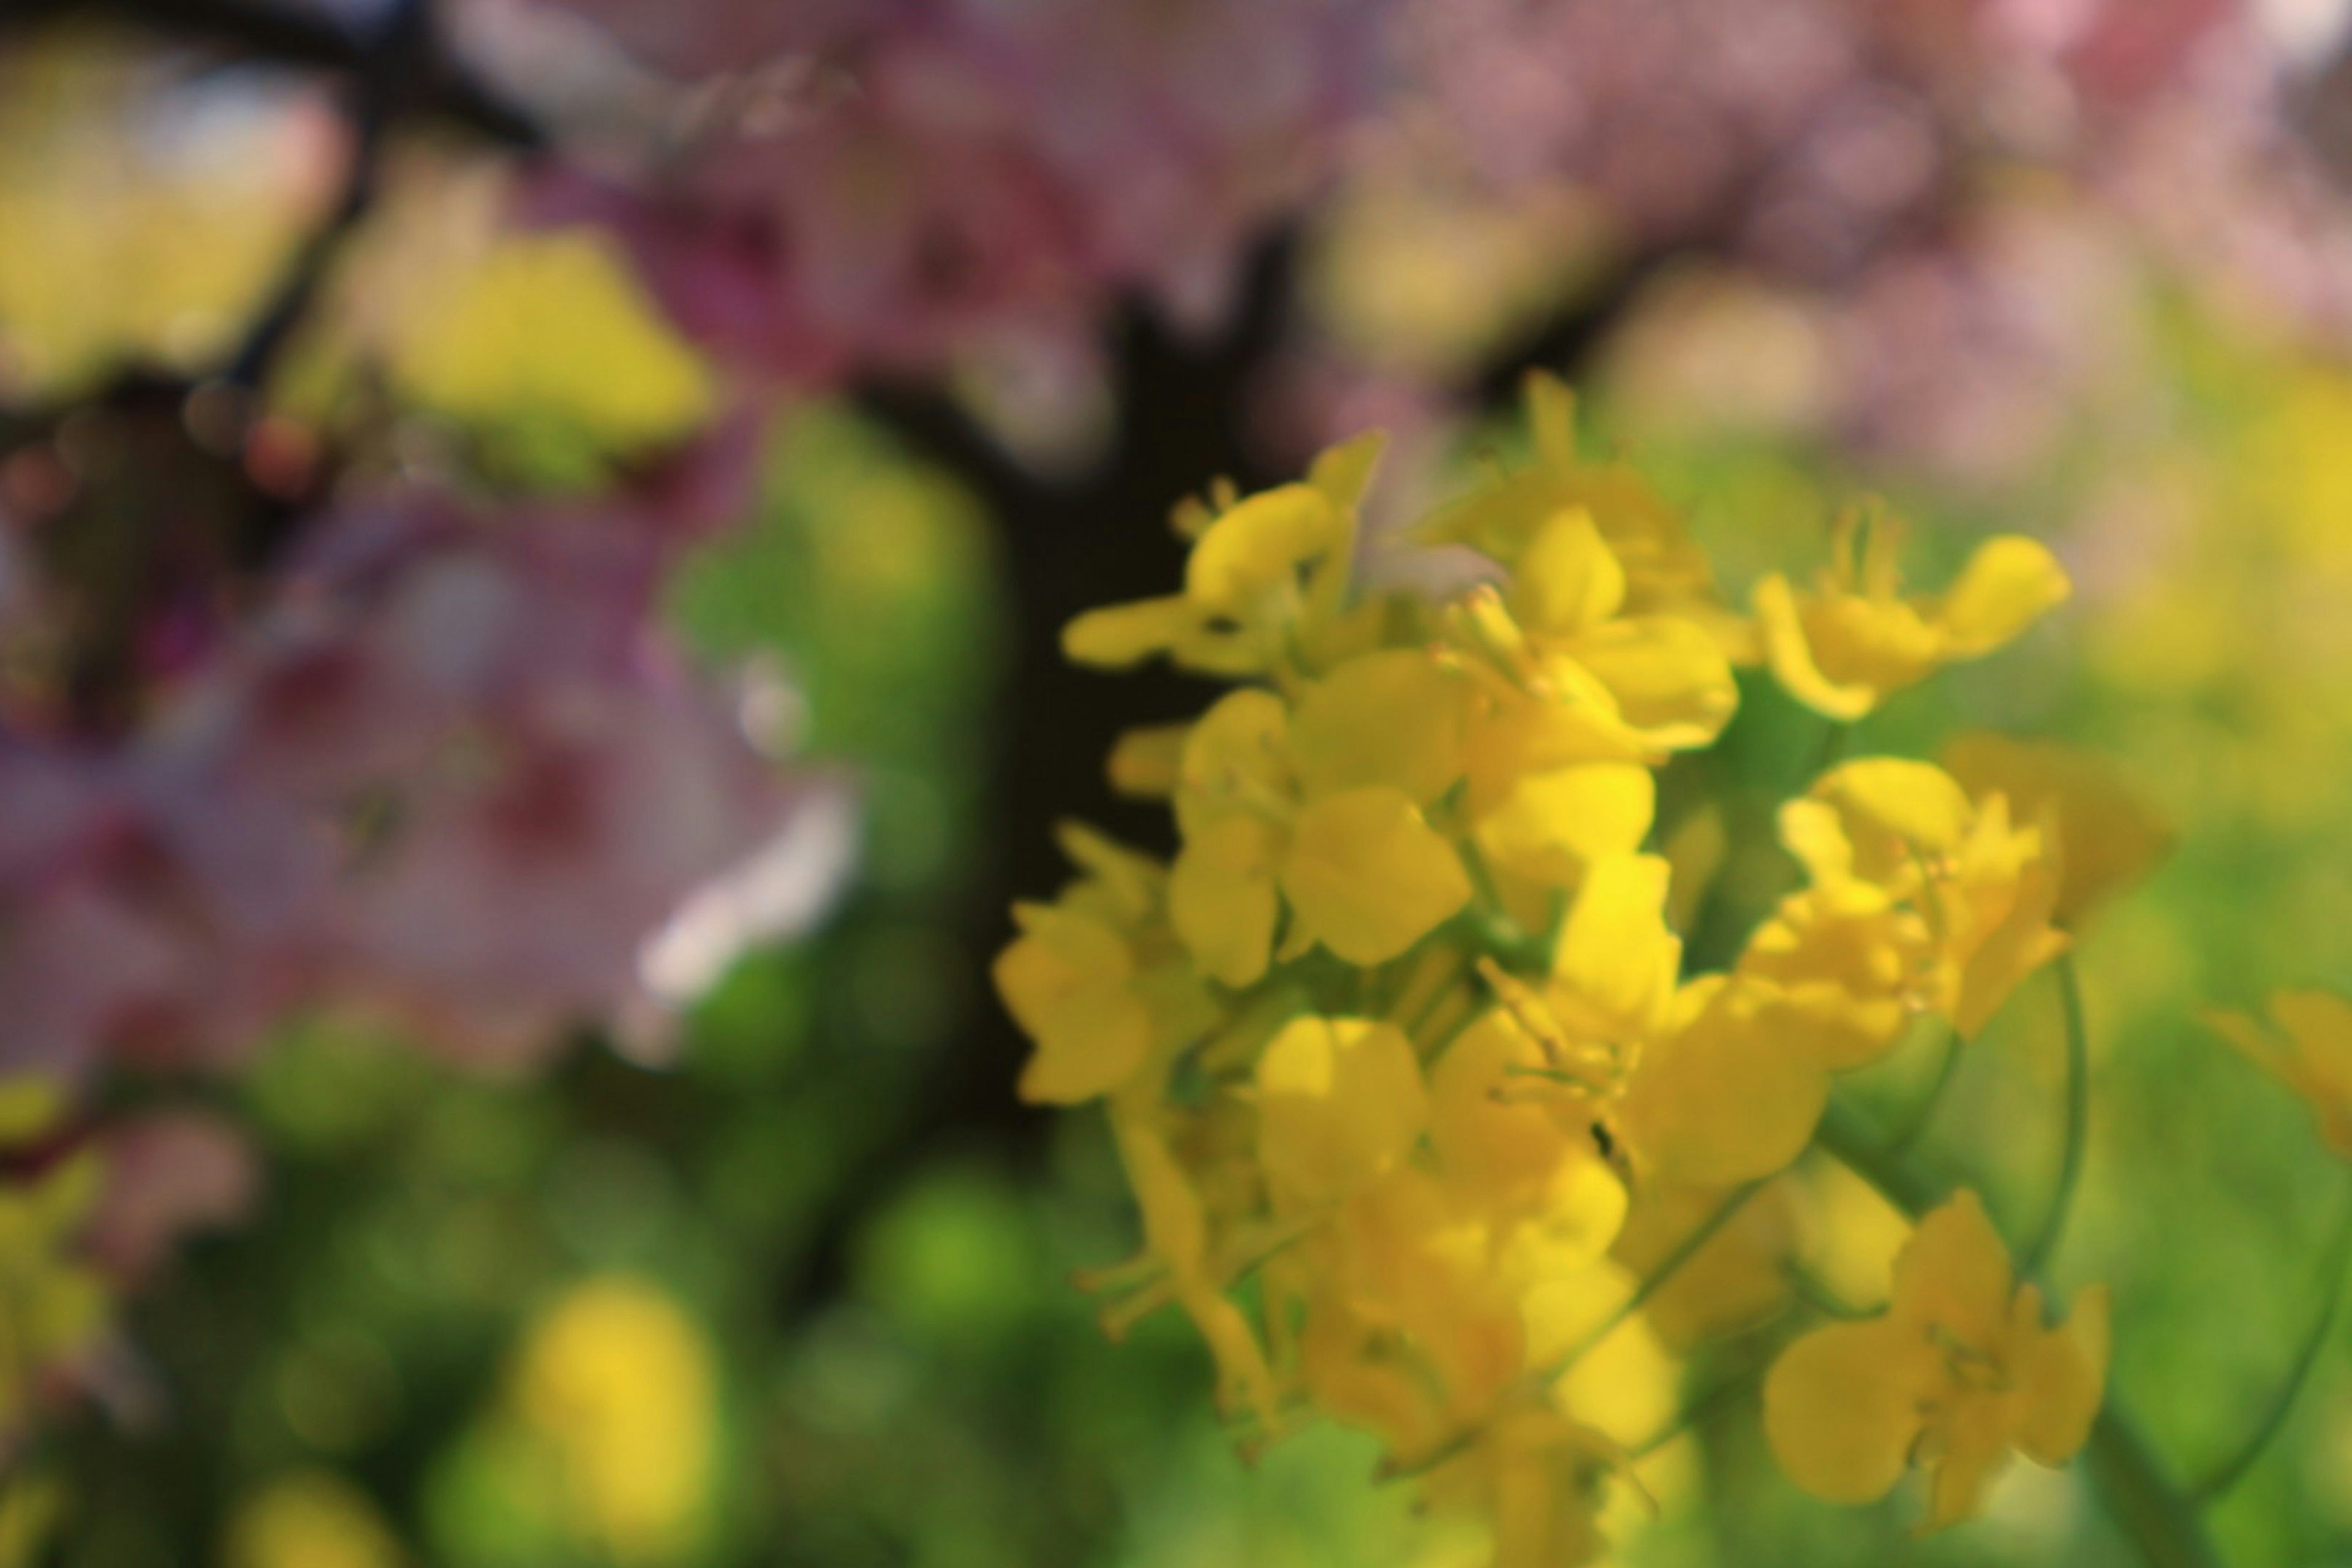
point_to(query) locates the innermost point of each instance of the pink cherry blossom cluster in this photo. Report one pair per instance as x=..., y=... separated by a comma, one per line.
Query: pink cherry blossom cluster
x=834, y=190
x=447, y=767
x=825, y=190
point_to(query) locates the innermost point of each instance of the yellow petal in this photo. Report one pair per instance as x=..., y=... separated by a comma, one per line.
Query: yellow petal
x=1566, y=580
x=1065, y=981
x=1392, y=717
x=2008, y=584
x=1235, y=759
x=2017, y=947
x=2313, y=1056
x=1669, y=679
x=1614, y=969
x=1221, y=898
x=1344, y=472
x=1729, y=1095
x=1369, y=877
x=1145, y=763
x=1970, y=1450
x=1552, y=826
x=1258, y=546
x=1121, y=636
x=1789, y=653
x=1488, y=1139
x=1339, y=1101
x=1813, y=832
x=1130, y=883
x=2107, y=837
x=1058, y=953
x=2061, y=1375
x=1842, y=1408
x=1954, y=1277
x=1893, y=809
x=1552, y=418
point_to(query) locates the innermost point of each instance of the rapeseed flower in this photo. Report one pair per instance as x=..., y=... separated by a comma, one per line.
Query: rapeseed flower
x=1403, y=1036
x=2101, y=834
x=2306, y=1046
x=1853, y=640
x=1958, y=1373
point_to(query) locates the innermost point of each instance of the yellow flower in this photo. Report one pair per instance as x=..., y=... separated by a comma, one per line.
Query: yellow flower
x=1731, y=1090
x=1180, y=1248
x=1095, y=978
x=1266, y=582
x=311, y=1519
x=616, y=1381
x=1664, y=570
x=1567, y=675
x=1854, y=640
x=2104, y=836
x=1920, y=900
x=1512, y=1150
x=1959, y=1371
x=1738, y=1279
x=2308, y=1048
x=1410, y=1329
x=1300, y=809
x=1341, y=1102
x=1708, y=1083
x=1537, y=1476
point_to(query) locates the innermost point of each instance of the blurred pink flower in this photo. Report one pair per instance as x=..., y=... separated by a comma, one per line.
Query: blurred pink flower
x=934, y=176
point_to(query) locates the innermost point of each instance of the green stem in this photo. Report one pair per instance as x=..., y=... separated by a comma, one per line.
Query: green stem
x=1835, y=741
x=1697, y=1411
x=2153, y=1509
x=2230, y=1470
x=2078, y=1114
x=1924, y=1111
x=1544, y=1378
x=1657, y=1280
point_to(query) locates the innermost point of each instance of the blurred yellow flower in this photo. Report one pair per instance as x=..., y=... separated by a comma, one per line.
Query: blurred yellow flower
x=137, y=224
x=1665, y=573
x=1844, y=647
x=1096, y=978
x=1958, y=1372
x=1280, y=809
x=1341, y=1102
x=2104, y=836
x=1178, y=1250
x=615, y=1383
x=2308, y=1048
x=1919, y=900
x=311, y=1519
x=554, y=327
x=1537, y=1476
x=1264, y=587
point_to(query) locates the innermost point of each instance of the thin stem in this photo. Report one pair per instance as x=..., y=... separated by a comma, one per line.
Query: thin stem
x=2153, y=1509
x=1818, y=1297
x=1697, y=1411
x=1924, y=1111
x=2078, y=1108
x=2231, y=1469
x=1834, y=741
x=1657, y=1280
x=1545, y=1376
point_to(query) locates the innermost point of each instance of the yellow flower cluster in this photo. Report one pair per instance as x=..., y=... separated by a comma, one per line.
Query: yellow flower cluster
x=1415, y=1093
